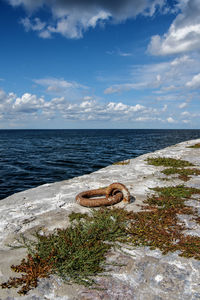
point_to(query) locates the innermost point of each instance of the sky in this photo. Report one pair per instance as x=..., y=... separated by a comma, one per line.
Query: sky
x=99, y=64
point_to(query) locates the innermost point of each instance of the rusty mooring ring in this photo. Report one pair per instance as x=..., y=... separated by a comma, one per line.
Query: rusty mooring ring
x=114, y=193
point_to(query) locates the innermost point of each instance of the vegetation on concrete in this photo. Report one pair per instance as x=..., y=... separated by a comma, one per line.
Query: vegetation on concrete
x=168, y=162
x=195, y=146
x=78, y=253
x=167, y=197
x=184, y=174
x=175, y=166
x=124, y=162
x=159, y=227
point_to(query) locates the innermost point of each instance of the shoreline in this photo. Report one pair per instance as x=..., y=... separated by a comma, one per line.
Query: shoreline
x=49, y=205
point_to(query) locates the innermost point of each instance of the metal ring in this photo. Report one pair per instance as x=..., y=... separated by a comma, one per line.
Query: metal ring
x=114, y=193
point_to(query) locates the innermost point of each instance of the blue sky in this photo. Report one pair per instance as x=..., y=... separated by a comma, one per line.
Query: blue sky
x=99, y=64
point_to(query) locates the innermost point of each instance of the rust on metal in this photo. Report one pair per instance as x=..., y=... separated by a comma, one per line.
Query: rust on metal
x=113, y=194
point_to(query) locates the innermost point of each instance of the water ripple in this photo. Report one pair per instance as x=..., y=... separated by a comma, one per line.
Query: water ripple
x=29, y=158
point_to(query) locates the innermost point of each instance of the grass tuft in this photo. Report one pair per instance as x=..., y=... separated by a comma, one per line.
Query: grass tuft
x=168, y=162
x=172, y=196
x=184, y=174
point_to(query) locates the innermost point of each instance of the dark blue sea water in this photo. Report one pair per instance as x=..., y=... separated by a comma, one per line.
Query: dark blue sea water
x=29, y=158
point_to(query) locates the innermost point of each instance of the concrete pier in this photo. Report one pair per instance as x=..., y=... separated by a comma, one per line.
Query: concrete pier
x=147, y=275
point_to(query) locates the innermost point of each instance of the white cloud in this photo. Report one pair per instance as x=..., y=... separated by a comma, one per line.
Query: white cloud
x=72, y=26
x=185, y=113
x=164, y=77
x=178, y=61
x=183, y=34
x=35, y=24
x=30, y=107
x=57, y=86
x=6, y=101
x=191, y=116
x=195, y=82
x=123, y=107
x=28, y=103
x=86, y=98
x=137, y=107
x=117, y=106
x=183, y=105
x=164, y=108
x=93, y=110
x=45, y=34
x=125, y=54
x=2, y=95
x=171, y=120
x=147, y=119
x=124, y=87
x=87, y=104
x=73, y=17
x=119, y=52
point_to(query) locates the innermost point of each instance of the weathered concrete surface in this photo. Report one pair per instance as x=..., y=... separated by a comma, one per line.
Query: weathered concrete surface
x=147, y=275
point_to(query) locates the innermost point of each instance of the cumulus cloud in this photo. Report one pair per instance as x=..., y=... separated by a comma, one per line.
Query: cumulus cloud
x=190, y=114
x=6, y=101
x=171, y=120
x=92, y=110
x=28, y=103
x=183, y=34
x=13, y=108
x=72, y=18
x=123, y=107
x=185, y=113
x=194, y=83
x=30, y=107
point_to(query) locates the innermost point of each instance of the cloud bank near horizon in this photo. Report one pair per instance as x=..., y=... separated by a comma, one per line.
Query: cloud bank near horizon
x=30, y=108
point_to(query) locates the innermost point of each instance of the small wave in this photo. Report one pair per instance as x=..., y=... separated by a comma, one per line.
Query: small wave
x=29, y=158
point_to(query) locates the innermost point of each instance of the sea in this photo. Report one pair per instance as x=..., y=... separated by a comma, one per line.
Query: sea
x=29, y=158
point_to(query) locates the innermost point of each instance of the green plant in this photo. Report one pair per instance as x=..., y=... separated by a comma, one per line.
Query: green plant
x=172, y=196
x=78, y=252
x=168, y=162
x=158, y=225
x=183, y=173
